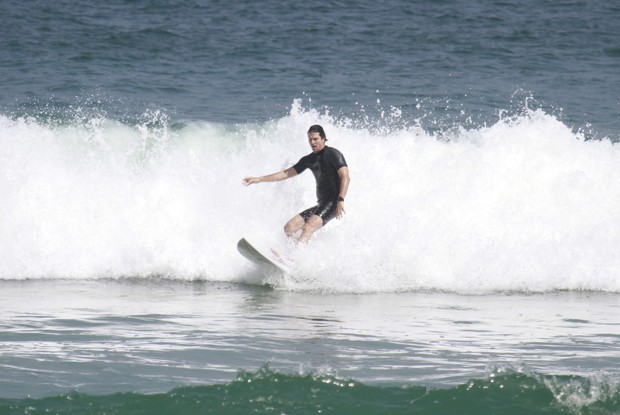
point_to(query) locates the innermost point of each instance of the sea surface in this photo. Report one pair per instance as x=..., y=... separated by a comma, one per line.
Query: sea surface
x=476, y=270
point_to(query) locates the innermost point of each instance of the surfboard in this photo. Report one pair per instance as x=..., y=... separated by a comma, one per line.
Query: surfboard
x=246, y=249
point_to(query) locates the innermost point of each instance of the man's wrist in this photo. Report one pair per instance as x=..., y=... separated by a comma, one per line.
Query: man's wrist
x=340, y=199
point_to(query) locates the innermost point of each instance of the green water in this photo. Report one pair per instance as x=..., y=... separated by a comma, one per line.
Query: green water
x=269, y=392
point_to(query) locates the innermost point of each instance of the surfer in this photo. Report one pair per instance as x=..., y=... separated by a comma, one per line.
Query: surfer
x=332, y=182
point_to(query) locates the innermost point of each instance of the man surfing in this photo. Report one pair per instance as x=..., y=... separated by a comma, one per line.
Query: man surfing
x=332, y=182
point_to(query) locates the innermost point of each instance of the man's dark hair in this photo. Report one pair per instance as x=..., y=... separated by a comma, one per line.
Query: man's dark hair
x=317, y=129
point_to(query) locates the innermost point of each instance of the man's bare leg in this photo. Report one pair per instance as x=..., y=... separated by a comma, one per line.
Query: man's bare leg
x=313, y=224
x=296, y=223
x=293, y=226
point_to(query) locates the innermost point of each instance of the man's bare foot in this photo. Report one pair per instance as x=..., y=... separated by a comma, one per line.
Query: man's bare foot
x=278, y=255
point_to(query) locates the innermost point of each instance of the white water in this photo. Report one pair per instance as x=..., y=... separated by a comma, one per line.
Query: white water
x=525, y=204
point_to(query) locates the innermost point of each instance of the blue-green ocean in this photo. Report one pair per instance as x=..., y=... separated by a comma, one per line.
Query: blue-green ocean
x=476, y=270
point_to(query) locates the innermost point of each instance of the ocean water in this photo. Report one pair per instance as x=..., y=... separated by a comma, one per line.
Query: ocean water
x=475, y=272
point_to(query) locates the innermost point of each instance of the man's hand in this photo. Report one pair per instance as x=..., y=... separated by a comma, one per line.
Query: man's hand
x=250, y=180
x=340, y=210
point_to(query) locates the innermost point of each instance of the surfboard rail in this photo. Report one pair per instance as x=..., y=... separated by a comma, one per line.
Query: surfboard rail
x=252, y=254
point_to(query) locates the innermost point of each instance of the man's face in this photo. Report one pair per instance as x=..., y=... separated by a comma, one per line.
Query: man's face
x=316, y=142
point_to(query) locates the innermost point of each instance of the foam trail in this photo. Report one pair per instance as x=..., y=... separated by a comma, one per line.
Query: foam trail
x=525, y=204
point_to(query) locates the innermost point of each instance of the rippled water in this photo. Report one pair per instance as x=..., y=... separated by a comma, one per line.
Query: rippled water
x=446, y=63
x=106, y=336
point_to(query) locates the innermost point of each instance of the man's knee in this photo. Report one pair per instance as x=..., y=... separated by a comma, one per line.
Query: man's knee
x=289, y=230
x=293, y=225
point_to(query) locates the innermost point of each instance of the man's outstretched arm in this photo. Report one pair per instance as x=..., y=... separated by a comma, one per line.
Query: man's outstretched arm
x=274, y=177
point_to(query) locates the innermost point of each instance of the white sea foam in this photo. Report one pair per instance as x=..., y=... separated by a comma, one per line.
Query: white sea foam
x=524, y=204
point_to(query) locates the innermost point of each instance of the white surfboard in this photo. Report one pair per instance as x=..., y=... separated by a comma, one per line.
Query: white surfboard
x=254, y=255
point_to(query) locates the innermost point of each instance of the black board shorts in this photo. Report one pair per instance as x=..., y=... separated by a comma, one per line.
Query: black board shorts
x=326, y=211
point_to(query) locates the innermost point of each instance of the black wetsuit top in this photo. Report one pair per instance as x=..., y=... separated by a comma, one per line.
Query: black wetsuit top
x=324, y=165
